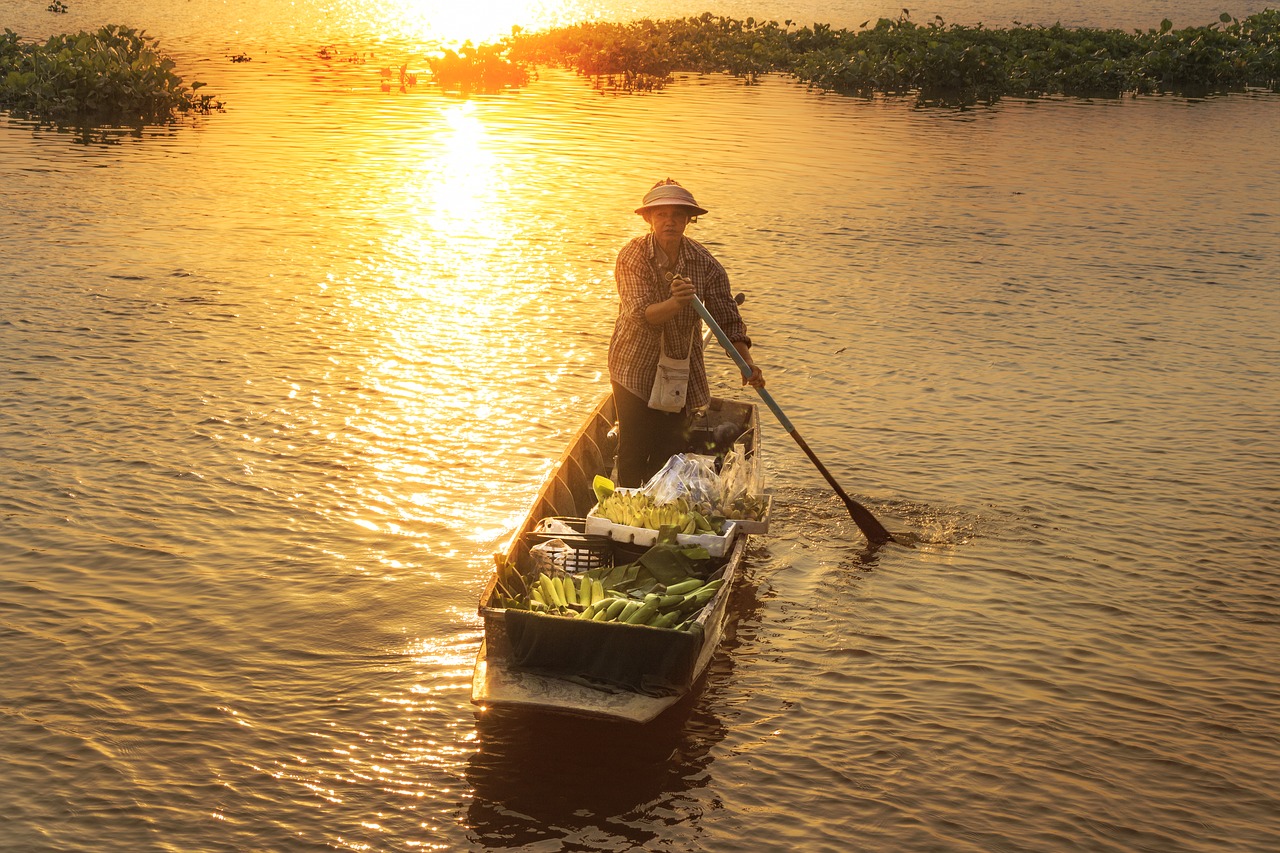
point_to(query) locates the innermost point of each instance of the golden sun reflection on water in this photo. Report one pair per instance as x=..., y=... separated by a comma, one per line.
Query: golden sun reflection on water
x=462, y=192
x=434, y=298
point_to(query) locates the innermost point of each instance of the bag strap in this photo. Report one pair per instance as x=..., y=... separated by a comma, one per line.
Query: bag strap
x=693, y=338
x=693, y=330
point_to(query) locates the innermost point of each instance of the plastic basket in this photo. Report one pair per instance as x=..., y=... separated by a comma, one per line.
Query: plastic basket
x=588, y=550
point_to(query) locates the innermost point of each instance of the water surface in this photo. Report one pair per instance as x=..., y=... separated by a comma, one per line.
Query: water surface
x=278, y=380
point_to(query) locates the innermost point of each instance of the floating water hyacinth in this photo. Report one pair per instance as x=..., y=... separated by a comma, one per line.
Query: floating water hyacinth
x=486, y=68
x=937, y=62
x=116, y=75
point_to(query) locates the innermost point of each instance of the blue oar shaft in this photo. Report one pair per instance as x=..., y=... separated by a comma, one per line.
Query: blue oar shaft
x=741, y=362
x=868, y=523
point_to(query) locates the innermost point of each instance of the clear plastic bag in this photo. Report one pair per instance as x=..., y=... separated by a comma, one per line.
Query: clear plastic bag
x=741, y=496
x=551, y=557
x=559, y=545
x=737, y=480
x=686, y=475
x=734, y=491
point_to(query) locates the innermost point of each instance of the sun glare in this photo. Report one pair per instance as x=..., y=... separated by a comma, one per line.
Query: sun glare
x=452, y=23
x=464, y=188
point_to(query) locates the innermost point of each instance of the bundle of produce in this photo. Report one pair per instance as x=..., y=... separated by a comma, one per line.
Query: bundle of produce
x=676, y=606
x=663, y=589
x=638, y=509
x=745, y=507
x=737, y=492
x=691, y=483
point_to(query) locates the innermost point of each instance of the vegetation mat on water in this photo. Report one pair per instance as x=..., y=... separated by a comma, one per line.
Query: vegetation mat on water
x=115, y=75
x=939, y=63
x=480, y=69
x=118, y=75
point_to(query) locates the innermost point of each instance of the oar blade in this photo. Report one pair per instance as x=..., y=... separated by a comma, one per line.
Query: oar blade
x=870, y=526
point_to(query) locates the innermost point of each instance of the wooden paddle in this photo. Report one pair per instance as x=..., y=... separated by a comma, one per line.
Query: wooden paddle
x=871, y=528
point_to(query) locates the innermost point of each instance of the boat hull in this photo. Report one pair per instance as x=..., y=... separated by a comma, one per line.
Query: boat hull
x=497, y=682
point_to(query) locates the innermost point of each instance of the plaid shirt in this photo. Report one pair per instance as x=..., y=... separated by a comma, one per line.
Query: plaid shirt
x=634, y=348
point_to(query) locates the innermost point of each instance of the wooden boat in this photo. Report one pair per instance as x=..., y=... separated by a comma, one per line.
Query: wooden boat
x=497, y=681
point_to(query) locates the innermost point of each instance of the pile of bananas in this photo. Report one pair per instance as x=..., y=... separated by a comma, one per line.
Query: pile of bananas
x=676, y=606
x=638, y=509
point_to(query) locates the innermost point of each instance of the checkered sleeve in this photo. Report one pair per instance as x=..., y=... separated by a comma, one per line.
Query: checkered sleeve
x=635, y=279
x=718, y=297
x=635, y=345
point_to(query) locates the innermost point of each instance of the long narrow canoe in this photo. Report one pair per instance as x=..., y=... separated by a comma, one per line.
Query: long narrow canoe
x=497, y=682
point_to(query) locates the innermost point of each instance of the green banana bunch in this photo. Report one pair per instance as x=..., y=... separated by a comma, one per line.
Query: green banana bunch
x=637, y=509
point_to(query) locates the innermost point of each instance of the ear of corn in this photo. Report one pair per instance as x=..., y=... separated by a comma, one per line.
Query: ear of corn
x=643, y=614
x=674, y=606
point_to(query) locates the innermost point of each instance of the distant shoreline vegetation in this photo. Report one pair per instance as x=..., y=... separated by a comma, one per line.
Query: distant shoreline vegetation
x=113, y=76
x=119, y=76
x=938, y=63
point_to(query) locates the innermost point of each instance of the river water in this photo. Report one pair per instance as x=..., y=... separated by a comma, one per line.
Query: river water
x=277, y=381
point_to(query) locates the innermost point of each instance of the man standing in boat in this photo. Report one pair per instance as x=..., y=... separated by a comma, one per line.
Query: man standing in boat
x=657, y=277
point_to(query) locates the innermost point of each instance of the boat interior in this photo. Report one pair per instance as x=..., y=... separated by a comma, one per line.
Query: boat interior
x=568, y=491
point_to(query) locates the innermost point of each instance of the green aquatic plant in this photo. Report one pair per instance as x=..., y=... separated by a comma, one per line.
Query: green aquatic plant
x=937, y=62
x=959, y=64
x=116, y=75
x=643, y=54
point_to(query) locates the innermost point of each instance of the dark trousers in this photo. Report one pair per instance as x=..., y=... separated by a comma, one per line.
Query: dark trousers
x=647, y=438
